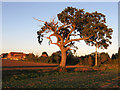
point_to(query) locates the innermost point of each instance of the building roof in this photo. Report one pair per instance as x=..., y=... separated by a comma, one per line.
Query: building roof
x=16, y=52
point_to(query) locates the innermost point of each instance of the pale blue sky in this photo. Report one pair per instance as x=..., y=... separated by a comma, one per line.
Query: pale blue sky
x=19, y=28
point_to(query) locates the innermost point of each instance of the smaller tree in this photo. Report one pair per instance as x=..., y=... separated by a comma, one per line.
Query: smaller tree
x=101, y=34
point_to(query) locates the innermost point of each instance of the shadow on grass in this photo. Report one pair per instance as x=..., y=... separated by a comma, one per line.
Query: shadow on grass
x=48, y=70
x=7, y=74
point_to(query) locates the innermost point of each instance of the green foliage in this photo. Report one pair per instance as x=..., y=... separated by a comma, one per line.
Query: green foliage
x=55, y=57
x=104, y=57
x=31, y=58
x=86, y=60
x=115, y=59
x=44, y=59
x=88, y=24
x=72, y=60
x=113, y=56
x=73, y=22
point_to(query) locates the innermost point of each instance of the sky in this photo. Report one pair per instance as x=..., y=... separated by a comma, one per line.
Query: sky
x=19, y=29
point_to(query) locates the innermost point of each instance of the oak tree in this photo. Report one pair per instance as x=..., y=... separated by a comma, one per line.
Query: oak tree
x=74, y=25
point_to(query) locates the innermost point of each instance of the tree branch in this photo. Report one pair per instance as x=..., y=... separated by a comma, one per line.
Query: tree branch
x=51, y=40
x=77, y=39
x=38, y=20
x=72, y=29
x=68, y=48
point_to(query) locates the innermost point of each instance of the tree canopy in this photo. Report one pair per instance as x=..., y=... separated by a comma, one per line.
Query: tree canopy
x=88, y=24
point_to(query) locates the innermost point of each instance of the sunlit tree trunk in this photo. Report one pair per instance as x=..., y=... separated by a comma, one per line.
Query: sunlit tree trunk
x=63, y=59
x=96, y=57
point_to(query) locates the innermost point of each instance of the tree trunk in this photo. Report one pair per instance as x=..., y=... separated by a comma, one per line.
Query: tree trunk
x=96, y=57
x=63, y=59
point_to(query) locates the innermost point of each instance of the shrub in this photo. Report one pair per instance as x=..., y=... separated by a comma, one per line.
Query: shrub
x=72, y=60
x=104, y=57
x=31, y=58
x=55, y=58
x=44, y=59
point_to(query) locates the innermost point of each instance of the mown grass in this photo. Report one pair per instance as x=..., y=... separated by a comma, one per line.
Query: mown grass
x=54, y=79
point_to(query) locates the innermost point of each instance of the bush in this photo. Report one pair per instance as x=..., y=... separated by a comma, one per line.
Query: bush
x=72, y=60
x=31, y=58
x=55, y=58
x=104, y=58
x=86, y=60
x=44, y=59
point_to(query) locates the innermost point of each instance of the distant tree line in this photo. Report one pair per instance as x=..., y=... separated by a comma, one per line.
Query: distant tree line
x=54, y=58
x=103, y=58
x=116, y=57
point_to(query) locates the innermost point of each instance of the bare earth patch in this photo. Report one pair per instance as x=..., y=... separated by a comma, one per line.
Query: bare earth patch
x=23, y=65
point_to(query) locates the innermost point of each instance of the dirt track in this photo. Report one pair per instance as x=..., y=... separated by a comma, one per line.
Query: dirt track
x=23, y=65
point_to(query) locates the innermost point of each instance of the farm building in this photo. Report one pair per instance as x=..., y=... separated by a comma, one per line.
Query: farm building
x=16, y=55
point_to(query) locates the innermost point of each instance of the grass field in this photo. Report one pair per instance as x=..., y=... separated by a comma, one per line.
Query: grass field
x=108, y=78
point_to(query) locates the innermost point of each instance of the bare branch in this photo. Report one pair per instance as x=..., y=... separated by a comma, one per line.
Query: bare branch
x=53, y=19
x=68, y=48
x=38, y=20
x=56, y=23
x=50, y=27
x=51, y=40
x=74, y=35
x=61, y=27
